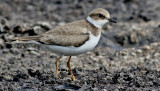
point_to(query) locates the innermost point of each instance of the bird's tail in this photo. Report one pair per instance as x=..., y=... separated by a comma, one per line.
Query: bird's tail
x=30, y=38
x=25, y=39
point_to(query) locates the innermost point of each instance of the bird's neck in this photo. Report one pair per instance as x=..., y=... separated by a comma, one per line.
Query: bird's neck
x=96, y=23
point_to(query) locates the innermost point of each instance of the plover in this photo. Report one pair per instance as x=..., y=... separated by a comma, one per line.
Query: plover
x=73, y=38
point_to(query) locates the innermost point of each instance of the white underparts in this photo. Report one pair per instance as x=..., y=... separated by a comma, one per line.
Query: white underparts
x=71, y=50
x=97, y=23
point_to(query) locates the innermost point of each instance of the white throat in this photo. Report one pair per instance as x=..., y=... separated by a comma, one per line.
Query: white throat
x=97, y=23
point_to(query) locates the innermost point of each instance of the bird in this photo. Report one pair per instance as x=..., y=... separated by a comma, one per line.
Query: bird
x=73, y=38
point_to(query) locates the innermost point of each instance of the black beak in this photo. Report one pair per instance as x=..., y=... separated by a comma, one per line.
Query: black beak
x=111, y=20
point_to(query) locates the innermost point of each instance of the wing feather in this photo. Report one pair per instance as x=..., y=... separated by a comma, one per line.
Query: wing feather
x=67, y=35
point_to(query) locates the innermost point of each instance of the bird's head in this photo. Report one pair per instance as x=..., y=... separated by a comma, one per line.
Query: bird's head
x=98, y=17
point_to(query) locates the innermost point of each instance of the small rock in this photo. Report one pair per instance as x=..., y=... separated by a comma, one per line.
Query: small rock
x=93, y=58
x=133, y=54
x=95, y=89
x=8, y=77
x=123, y=53
x=144, y=16
x=148, y=57
x=156, y=55
x=61, y=23
x=52, y=55
x=121, y=38
x=36, y=28
x=146, y=47
x=133, y=38
x=1, y=41
x=35, y=53
x=22, y=28
x=154, y=44
x=4, y=22
x=45, y=25
x=139, y=51
x=1, y=28
x=10, y=37
x=27, y=88
x=31, y=49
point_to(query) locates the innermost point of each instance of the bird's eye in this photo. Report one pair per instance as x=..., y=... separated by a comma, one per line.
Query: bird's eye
x=101, y=16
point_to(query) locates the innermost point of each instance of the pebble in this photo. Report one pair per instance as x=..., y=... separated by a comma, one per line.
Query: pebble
x=133, y=38
x=8, y=77
x=31, y=49
x=4, y=21
x=123, y=53
x=156, y=55
x=154, y=44
x=133, y=54
x=46, y=24
x=1, y=28
x=1, y=41
x=104, y=90
x=36, y=28
x=139, y=51
x=148, y=57
x=61, y=23
x=146, y=47
x=35, y=53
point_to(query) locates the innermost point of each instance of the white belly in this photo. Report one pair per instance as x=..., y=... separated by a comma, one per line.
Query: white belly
x=71, y=50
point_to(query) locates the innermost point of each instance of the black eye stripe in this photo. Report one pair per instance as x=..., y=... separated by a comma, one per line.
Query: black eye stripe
x=101, y=16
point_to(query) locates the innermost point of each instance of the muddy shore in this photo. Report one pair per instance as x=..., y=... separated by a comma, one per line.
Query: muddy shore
x=126, y=58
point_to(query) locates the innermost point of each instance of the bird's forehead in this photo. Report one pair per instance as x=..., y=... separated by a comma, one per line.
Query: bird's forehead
x=101, y=11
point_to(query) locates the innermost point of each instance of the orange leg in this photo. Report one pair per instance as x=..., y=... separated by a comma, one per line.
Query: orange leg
x=56, y=63
x=68, y=64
